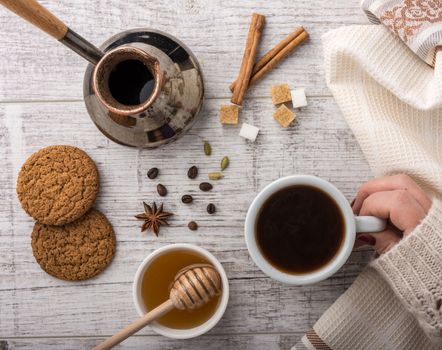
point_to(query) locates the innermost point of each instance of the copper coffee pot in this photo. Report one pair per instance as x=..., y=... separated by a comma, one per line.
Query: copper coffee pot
x=158, y=111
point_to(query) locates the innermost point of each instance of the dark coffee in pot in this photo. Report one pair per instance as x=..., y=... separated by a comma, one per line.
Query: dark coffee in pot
x=131, y=82
x=299, y=229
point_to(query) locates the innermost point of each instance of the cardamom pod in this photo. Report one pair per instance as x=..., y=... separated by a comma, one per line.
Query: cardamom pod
x=224, y=163
x=215, y=176
x=207, y=148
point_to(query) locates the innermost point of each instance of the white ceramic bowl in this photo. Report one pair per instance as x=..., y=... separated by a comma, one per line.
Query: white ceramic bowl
x=181, y=333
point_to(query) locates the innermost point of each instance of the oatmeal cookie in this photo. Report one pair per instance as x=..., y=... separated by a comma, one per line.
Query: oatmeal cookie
x=58, y=184
x=75, y=251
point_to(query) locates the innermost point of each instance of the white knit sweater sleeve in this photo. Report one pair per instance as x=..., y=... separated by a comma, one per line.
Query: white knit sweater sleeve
x=413, y=269
x=368, y=316
x=395, y=303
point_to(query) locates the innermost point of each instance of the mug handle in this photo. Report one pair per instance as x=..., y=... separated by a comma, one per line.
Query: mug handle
x=369, y=224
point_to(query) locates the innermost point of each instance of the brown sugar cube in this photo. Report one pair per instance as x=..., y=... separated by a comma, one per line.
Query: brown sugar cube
x=280, y=94
x=284, y=116
x=229, y=114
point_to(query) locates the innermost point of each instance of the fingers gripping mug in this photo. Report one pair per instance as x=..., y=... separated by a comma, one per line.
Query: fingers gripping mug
x=301, y=229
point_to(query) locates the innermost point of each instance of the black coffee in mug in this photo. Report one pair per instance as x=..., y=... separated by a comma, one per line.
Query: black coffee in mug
x=299, y=229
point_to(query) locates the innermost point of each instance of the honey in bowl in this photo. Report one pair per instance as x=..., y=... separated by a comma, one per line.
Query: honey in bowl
x=156, y=284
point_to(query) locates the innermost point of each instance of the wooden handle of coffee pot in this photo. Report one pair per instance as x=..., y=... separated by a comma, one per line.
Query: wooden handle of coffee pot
x=42, y=18
x=39, y=16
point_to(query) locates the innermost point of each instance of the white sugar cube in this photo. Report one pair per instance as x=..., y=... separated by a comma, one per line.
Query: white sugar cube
x=249, y=132
x=298, y=98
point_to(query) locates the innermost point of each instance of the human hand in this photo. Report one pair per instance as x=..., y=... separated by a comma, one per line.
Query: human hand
x=396, y=198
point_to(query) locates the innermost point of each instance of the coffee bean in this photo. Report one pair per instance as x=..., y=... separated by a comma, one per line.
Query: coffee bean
x=152, y=173
x=192, y=172
x=211, y=208
x=162, y=191
x=192, y=226
x=187, y=198
x=205, y=186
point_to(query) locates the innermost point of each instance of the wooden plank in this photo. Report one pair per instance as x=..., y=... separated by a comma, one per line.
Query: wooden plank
x=256, y=305
x=35, y=304
x=318, y=143
x=33, y=66
x=38, y=311
x=240, y=341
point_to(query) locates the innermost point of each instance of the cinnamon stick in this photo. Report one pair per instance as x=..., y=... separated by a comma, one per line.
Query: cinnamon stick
x=272, y=53
x=245, y=72
x=276, y=55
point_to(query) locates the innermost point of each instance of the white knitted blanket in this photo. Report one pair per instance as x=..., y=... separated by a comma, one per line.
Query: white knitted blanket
x=391, y=99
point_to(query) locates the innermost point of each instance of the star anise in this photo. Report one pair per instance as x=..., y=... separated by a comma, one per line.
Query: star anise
x=153, y=217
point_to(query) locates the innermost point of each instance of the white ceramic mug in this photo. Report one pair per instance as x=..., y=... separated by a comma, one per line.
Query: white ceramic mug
x=353, y=224
x=190, y=332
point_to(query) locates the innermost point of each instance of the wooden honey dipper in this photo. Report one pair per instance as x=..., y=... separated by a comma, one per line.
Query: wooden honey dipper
x=192, y=287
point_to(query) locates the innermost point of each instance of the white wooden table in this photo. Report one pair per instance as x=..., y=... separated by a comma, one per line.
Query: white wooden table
x=41, y=104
